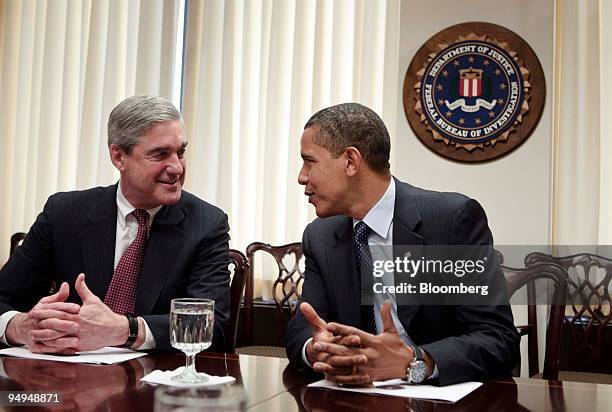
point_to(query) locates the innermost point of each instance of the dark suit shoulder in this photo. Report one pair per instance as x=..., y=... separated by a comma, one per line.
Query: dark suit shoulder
x=191, y=202
x=321, y=230
x=433, y=202
x=71, y=208
x=76, y=197
x=439, y=216
x=450, y=199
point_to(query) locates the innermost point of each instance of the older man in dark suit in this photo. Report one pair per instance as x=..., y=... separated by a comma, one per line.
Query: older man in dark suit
x=345, y=150
x=138, y=244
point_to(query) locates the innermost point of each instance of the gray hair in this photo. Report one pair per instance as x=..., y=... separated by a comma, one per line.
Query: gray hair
x=131, y=118
x=353, y=124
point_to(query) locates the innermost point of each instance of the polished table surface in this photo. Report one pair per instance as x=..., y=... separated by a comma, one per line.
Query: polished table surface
x=272, y=386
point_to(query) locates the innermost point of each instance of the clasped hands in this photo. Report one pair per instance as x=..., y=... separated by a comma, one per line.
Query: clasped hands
x=56, y=326
x=348, y=355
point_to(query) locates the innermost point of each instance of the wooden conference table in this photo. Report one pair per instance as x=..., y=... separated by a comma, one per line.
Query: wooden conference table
x=271, y=386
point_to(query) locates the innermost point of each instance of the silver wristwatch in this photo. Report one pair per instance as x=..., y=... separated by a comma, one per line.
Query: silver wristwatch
x=417, y=371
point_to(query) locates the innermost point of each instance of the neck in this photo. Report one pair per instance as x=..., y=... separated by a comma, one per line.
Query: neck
x=128, y=196
x=369, y=191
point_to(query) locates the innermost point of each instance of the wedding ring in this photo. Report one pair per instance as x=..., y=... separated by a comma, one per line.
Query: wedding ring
x=354, y=372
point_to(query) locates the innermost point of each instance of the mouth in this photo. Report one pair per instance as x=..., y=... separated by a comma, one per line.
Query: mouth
x=170, y=182
x=310, y=195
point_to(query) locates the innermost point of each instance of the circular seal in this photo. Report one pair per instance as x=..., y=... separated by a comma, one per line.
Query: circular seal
x=474, y=92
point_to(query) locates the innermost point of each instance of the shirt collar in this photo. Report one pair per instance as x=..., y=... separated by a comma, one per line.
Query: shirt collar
x=124, y=208
x=379, y=218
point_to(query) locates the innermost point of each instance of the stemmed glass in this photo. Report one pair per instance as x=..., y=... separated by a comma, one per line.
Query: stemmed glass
x=191, y=331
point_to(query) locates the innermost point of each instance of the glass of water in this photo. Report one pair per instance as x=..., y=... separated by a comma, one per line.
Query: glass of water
x=191, y=331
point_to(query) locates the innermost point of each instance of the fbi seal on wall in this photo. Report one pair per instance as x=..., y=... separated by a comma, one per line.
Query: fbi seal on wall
x=474, y=92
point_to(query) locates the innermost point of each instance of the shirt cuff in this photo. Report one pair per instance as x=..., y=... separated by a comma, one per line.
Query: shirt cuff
x=304, y=357
x=149, y=342
x=5, y=318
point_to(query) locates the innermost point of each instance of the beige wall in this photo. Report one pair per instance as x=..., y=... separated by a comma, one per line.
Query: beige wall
x=514, y=190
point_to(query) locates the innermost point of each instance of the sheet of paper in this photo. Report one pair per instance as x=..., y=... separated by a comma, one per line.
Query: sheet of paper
x=106, y=356
x=398, y=387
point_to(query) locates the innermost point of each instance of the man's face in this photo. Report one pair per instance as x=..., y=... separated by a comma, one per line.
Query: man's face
x=154, y=172
x=323, y=176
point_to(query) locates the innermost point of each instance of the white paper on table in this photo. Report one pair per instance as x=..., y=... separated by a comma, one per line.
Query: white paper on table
x=399, y=387
x=105, y=356
x=165, y=378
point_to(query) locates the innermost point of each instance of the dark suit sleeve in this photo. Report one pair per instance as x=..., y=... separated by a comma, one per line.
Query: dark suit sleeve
x=489, y=344
x=26, y=276
x=209, y=279
x=313, y=292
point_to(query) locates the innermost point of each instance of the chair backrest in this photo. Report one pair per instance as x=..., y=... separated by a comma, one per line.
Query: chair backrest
x=587, y=327
x=16, y=240
x=240, y=267
x=286, y=287
x=517, y=278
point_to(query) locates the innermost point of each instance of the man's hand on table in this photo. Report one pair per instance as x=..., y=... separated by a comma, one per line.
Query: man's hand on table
x=322, y=338
x=58, y=327
x=99, y=326
x=50, y=327
x=376, y=357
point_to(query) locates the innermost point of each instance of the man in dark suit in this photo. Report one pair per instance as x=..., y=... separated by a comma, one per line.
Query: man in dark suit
x=139, y=244
x=361, y=207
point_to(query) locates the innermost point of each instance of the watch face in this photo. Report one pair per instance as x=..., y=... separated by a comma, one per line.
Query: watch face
x=418, y=371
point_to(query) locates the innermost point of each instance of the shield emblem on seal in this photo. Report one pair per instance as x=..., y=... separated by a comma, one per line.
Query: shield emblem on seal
x=470, y=82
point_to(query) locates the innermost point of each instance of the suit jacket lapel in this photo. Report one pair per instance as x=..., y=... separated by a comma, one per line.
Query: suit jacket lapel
x=98, y=243
x=406, y=225
x=166, y=239
x=344, y=278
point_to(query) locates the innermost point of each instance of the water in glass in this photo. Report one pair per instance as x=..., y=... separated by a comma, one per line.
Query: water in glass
x=191, y=331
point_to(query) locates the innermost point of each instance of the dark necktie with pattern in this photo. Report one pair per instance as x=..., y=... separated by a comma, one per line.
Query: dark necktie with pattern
x=365, y=270
x=121, y=294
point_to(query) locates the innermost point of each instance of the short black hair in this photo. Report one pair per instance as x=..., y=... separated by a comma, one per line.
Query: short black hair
x=353, y=124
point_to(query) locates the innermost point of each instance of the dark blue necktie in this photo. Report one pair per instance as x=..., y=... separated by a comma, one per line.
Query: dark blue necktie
x=364, y=269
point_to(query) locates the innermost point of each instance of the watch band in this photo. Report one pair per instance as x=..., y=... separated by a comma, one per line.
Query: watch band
x=133, y=331
x=418, y=353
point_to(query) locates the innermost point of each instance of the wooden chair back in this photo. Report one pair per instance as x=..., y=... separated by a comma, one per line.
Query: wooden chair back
x=516, y=279
x=16, y=240
x=286, y=287
x=587, y=324
x=239, y=267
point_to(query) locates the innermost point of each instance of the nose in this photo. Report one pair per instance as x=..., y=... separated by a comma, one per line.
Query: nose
x=302, y=177
x=175, y=165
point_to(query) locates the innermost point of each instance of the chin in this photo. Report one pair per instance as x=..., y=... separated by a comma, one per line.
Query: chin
x=322, y=213
x=170, y=198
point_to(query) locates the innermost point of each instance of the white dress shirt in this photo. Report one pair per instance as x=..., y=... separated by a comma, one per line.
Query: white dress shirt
x=127, y=229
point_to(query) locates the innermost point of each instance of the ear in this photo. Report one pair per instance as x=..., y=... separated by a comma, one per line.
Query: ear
x=353, y=161
x=117, y=157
